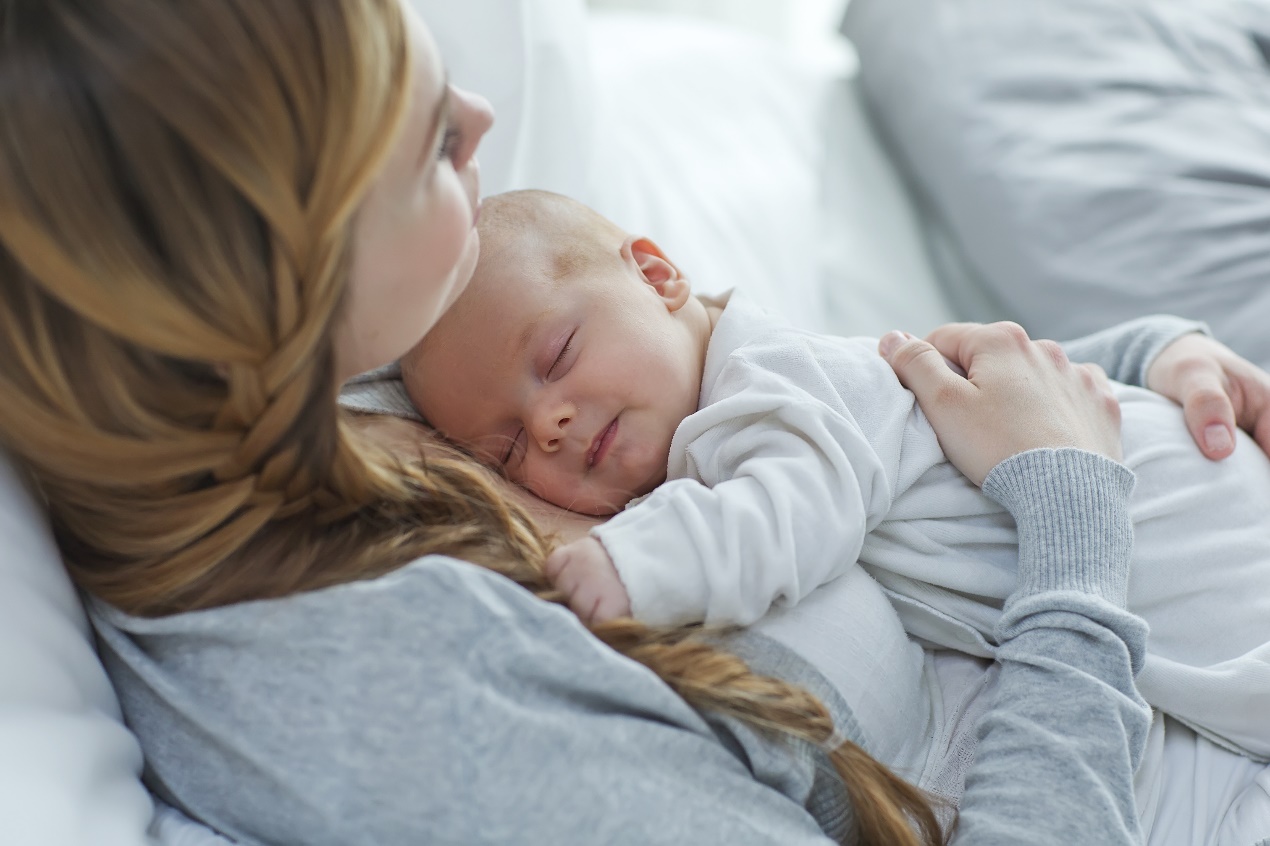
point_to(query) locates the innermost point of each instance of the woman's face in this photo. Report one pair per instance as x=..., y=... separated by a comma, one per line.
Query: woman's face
x=415, y=241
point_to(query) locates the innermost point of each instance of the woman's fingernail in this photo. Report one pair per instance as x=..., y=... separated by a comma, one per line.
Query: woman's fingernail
x=1217, y=438
x=888, y=343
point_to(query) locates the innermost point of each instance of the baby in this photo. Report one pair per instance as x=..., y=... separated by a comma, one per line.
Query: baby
x=765, y=461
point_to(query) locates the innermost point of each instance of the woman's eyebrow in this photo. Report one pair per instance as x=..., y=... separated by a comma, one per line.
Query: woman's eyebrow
x=440, y=117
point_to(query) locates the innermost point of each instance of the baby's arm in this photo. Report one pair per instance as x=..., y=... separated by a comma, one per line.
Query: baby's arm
x=789, y=488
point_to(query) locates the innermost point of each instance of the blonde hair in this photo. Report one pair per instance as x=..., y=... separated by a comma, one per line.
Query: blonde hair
x=177, y=185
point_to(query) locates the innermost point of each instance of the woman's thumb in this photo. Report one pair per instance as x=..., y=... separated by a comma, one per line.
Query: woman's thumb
x=920, y=367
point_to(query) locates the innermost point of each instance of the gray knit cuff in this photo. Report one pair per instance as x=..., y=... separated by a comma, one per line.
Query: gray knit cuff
x=1126, y=351
x=1072, y=511
x=1163, y=330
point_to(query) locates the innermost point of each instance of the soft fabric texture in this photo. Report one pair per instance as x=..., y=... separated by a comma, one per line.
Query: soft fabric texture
x=1087, y=161
x=69, y=772
x=443, y=704
x=755, y=168
x=807, y=454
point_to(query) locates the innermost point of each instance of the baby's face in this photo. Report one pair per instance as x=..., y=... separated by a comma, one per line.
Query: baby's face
x=573, y=386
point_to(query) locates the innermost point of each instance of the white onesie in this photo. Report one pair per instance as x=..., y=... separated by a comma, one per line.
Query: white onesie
x=806, y=455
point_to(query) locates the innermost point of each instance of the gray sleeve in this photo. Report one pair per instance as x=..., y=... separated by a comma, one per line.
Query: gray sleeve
x=1126, y=350
x=440, y=704
x=1067, y=730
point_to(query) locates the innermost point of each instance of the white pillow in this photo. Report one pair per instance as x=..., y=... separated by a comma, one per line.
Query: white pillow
x=69, y=772
x=756, y=170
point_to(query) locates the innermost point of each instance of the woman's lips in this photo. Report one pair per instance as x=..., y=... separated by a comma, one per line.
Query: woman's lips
x=601, y=444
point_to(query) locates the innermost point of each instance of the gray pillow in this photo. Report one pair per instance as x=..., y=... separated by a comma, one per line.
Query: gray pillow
x=1083, y=162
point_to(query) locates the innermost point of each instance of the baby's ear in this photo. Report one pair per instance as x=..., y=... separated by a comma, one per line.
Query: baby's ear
x=658, y=271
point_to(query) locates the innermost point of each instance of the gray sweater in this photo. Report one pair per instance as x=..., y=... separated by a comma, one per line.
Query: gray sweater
x=441, y=704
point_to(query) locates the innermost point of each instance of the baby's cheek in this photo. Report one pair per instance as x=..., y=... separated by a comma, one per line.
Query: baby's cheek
x=549, y=488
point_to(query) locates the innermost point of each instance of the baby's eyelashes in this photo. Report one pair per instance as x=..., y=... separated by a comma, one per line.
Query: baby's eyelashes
x=564, y=351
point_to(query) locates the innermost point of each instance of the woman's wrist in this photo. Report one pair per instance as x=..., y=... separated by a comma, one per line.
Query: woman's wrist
x=1071, y=507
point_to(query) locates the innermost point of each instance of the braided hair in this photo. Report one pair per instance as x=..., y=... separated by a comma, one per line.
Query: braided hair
x=177, y=188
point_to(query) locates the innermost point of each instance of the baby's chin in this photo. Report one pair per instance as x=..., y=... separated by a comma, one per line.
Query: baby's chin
x=596, y=504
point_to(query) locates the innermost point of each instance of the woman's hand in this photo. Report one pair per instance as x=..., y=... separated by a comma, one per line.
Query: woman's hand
x=1217, y=390
x=1018, y=394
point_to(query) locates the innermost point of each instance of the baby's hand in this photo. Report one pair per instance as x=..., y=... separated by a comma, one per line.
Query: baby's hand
x=583, y=571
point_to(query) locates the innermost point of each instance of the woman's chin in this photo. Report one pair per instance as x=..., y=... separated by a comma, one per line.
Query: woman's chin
x=463, y=270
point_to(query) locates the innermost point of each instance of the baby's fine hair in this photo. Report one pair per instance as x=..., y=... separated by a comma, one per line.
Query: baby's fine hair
x=571, y=236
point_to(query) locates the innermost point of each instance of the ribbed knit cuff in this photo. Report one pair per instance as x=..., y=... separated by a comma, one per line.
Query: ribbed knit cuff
x=1072, y=512
x=1127, y=350
x=1164, y=330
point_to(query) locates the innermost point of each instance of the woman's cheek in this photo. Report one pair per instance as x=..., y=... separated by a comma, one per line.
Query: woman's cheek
x=451, y=232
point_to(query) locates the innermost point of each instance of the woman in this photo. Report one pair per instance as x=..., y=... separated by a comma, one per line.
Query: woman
x=214, y=213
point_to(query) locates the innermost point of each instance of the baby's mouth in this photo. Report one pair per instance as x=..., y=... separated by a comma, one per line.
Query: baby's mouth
x=600, y=446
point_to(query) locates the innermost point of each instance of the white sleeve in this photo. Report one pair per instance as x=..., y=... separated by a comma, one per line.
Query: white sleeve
x=787, y=490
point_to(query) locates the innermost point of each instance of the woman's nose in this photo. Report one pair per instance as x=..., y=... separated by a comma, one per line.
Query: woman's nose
x=474, y=115
x=549, y=423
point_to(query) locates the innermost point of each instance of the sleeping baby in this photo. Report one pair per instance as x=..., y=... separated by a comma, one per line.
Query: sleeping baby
x=747, y=463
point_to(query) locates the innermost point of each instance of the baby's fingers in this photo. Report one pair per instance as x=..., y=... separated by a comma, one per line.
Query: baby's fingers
x=556, y=561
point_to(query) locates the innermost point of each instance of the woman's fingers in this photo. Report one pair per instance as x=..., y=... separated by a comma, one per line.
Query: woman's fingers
x=921, y=367
x=1249, y=392
x=962, y=342
x=1210, y=417
x=1018, y=394
x=1217, y=389
x=1199, y=386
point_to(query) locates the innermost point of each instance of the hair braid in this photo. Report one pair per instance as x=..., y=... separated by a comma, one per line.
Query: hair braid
x=176, y=188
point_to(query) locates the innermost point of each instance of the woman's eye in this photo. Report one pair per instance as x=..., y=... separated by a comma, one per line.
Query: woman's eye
x=450, y=143
x=559, y=358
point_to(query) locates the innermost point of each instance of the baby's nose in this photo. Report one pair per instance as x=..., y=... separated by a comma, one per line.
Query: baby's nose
x=550, y=425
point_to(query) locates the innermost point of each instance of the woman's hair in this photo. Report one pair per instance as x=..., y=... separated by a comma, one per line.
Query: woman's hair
x=177, y=188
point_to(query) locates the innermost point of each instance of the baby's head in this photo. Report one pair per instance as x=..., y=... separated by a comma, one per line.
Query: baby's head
x=570, y=359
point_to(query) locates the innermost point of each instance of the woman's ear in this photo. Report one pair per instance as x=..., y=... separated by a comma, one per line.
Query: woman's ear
x=658, y=271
